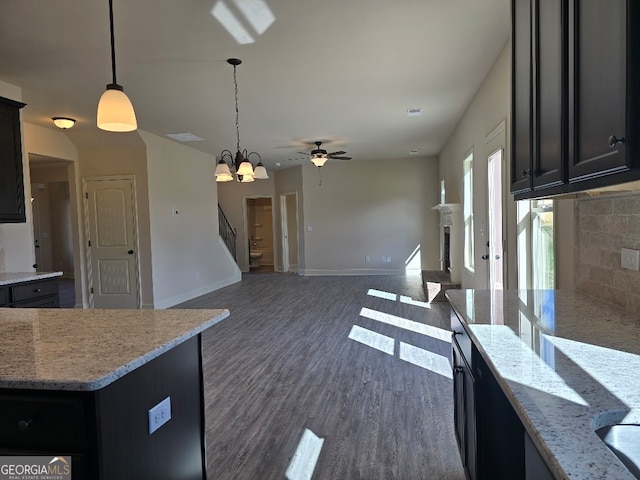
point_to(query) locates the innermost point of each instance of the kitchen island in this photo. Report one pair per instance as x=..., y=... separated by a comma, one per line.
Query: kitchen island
x=548, y=368
x=29, y=289
x=120, y=391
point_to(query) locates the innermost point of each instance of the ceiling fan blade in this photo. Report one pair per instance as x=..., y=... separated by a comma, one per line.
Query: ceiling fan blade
x=341, y=152
x=304, y=153
x=339, y=158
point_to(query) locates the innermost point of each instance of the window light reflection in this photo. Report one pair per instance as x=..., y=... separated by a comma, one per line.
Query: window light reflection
x=421, y=328
x=304, y=460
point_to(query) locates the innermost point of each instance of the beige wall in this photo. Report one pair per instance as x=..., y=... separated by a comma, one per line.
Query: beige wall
x=372, y=208
x=604, y=226
x=187, y=255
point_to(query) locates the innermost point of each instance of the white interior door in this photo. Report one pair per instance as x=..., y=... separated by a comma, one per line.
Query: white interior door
x=112, y=243
x=495, y=240
x=285, y=232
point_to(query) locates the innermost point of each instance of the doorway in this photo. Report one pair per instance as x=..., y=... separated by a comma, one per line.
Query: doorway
x=289, y=230
x=52, y=207
x=259, y=230
x=495, y=241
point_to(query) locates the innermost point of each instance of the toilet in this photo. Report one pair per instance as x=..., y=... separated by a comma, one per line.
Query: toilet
x=254, y=259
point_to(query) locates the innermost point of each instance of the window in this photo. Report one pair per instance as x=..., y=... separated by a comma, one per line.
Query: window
x=536, y=254
x=469, y=250
x=443, y=195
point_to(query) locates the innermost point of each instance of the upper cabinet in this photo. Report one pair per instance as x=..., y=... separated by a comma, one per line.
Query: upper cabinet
x=574, y=112
x=12, y=206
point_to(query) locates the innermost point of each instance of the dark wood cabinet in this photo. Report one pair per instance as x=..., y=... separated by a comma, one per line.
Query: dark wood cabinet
x=31, y=294
x=12, y=203
x=490, y=434
x=575, y=122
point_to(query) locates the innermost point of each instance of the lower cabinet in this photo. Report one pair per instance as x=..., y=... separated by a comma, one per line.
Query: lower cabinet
x=490, y=435
x=106, y=432
x=32, y=294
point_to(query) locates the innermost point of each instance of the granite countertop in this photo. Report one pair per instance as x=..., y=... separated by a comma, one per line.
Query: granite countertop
x=85, y=350
x=8, y=278
x=568, y=364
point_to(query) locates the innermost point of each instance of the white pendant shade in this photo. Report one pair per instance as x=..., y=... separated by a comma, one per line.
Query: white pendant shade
x=115, y=112
x=260, y=172
x=319, y=161
x=222, y=169
x=224, y=178
x=247, y=179
x=245, y=168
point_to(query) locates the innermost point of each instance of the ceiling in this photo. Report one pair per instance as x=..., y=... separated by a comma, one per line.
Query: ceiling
x=341, y=71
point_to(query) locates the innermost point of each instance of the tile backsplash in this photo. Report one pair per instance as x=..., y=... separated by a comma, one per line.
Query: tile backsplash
x=605, y=225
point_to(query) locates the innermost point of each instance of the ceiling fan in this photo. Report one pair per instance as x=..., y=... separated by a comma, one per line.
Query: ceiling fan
x=319, y=155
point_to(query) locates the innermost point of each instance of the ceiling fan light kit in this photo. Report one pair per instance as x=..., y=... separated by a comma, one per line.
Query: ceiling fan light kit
x=63, y=122
x=319, y=156
x=244, y=171
x=115, y=111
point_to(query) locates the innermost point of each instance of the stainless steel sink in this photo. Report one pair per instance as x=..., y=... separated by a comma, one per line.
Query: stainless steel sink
x=624, y=441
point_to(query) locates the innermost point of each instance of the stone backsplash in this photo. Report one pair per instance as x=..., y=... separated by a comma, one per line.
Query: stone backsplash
x=605, y=225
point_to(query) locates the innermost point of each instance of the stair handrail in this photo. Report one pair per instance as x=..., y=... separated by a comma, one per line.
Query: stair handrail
x=227, y=232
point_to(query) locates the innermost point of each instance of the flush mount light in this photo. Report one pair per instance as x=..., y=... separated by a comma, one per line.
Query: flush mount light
x=115, y=111
x=63, y=122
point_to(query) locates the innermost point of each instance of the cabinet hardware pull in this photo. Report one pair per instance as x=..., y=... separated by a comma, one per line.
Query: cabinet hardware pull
x=526, y=173
x=25, y=424
x=613, y=141
x=457, y=370
x=37, y=290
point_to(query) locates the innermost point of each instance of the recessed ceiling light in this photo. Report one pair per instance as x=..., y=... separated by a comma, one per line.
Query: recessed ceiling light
x=414, y=152
x=277, y=164
x=184, y=137
x=414, y=111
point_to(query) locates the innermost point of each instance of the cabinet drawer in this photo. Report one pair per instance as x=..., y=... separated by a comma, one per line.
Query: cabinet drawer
x=52, y=301
x=53, y=423
x=33, y=290
x=4, y=296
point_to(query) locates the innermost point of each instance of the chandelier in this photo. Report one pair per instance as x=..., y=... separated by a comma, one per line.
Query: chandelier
x=242, y=165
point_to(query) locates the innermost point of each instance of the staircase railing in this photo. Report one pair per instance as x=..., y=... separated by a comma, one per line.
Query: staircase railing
x=227, y=232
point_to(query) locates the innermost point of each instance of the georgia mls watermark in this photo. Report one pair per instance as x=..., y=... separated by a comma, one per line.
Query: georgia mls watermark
x=35, y=467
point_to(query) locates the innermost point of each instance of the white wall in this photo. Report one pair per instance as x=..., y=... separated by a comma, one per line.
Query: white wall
x=188, y=257
x=489, y=107
x=370, y=208
x=286, y=182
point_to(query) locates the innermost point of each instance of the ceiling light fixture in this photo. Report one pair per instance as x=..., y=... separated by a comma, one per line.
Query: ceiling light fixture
x=63, y=122
x=244, y=170
x=115, y=111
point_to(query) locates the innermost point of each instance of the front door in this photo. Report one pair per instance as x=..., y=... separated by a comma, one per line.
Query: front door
x=495, y=254
x=112, y=245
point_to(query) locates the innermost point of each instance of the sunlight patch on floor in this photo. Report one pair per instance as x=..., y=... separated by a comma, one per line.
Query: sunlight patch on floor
x=372, y=339
x=304, y=460
x=372, y=292
x=421, y=328
x=425, y=359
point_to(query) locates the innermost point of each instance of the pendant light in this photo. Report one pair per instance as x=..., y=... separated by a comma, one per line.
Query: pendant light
x=115, y=111
x=245, y=173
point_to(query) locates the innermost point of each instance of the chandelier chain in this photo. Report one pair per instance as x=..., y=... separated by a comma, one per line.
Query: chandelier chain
x=235, y=82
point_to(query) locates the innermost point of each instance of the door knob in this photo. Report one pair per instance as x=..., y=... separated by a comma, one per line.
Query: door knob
x=485, y=257
x=497, y=257
x=130, y=252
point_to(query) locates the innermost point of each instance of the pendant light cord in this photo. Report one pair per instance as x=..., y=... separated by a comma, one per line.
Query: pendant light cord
x=235, y=82
x=113, y=42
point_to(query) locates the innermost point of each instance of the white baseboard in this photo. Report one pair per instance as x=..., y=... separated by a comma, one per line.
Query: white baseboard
x=183, y=297
x=350, y=271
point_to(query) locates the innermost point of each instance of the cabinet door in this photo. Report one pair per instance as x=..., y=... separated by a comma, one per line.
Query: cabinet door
x=521, y=97
x=464, y=412
x=598, y=72
x=12, y=208
x=549, y=131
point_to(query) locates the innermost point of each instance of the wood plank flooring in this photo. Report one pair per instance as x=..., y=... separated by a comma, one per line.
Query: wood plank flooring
x=283, y=362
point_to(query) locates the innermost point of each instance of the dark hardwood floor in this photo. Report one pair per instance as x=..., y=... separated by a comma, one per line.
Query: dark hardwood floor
x=308, y=353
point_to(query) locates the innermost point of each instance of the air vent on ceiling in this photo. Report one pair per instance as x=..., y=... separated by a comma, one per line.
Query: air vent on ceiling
x=414, y=111
x=184, y=137
x=414, y=152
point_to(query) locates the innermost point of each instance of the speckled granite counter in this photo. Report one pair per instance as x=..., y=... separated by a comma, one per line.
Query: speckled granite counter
x=9, y=278
x=567, y=363
x=85, y=350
